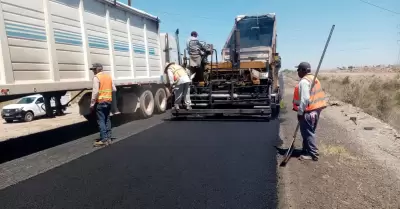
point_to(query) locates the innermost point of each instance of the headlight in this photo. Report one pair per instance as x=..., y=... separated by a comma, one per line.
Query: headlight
x=19, y=110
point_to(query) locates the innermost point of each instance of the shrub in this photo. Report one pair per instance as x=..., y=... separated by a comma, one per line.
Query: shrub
x=392, y=84
x=383, y=105
x=397, y=98
x=346, y=80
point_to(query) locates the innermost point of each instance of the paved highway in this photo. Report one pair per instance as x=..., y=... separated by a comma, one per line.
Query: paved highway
x=173, y=164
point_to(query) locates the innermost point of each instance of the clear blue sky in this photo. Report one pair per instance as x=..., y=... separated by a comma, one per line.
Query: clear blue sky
x=364, y=35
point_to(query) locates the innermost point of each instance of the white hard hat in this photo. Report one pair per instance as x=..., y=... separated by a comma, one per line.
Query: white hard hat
x=167, y=64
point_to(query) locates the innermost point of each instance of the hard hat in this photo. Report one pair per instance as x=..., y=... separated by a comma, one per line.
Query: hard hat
x=167, y=64
x=304, y=66
x=96, y=65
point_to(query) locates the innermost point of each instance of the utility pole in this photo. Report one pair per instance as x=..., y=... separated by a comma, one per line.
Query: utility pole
x=130, y=3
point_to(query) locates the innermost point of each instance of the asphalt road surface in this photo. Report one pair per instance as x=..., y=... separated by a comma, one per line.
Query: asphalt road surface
x=176, y=164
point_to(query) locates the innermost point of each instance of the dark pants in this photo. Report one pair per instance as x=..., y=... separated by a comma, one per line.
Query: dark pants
x=307, y=129
x=103, y=119
x=59, y=108
x=199, y=77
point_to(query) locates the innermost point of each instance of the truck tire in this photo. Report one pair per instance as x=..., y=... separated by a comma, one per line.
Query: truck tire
x=146, y=107
x=160, y=100
x=28, y=116
x=9, y=121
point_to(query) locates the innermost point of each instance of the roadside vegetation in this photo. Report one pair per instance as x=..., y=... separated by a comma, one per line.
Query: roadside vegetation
x=377, y=96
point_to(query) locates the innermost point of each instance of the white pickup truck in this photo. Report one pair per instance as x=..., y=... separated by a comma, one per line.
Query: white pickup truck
x=47, y=46
x=28, y=108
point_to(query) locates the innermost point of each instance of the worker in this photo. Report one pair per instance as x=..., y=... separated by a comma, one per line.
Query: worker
x=57, y=101
x=308, y=106
x=179, y=80
x=101, y=102
x=196, y=51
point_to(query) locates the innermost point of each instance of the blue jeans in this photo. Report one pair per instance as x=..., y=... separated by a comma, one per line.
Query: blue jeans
x=103, y=119
x=307, y=128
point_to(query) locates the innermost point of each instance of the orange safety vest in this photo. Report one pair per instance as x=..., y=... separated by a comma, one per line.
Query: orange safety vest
x=177, y=71
x=317, y=96
x=105, y=88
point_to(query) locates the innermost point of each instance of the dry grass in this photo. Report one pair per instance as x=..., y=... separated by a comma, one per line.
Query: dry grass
x=379, y=97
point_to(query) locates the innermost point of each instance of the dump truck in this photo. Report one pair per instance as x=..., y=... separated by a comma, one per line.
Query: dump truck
x=246, y=81
x=48, y=46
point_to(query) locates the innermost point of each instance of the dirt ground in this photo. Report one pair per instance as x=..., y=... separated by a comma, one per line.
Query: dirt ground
x=358, y=168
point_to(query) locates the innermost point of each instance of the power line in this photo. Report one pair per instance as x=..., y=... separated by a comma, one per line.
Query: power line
x=377, y=6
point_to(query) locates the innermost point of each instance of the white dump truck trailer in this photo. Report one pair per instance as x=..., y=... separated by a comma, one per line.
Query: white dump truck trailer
x=48, y=46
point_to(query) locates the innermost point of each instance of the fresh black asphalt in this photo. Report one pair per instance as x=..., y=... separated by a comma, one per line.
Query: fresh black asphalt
x=177, y=164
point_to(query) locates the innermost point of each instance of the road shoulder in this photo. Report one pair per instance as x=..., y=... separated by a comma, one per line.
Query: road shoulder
x=348, y=175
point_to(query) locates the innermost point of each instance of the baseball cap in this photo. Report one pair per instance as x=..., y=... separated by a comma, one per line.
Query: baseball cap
x=303, y=66
x=96, y=65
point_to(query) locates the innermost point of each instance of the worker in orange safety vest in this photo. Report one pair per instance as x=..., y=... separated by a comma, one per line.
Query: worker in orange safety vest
x=101, y=102
x=180, y=81
x=308, y=106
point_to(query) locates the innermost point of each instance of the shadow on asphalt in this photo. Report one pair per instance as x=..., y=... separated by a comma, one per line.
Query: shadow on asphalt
x=22, y=146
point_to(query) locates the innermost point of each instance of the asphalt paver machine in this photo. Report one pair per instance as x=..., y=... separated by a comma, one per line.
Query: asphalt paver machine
x=246, y=81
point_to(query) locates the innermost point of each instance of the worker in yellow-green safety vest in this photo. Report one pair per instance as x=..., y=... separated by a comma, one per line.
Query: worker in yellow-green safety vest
x=101, y=102
x=179, y=80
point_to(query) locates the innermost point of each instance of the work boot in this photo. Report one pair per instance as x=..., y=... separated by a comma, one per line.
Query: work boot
x=101, y=143
x=308, y=157
x=176, y=106
x=188, y=107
